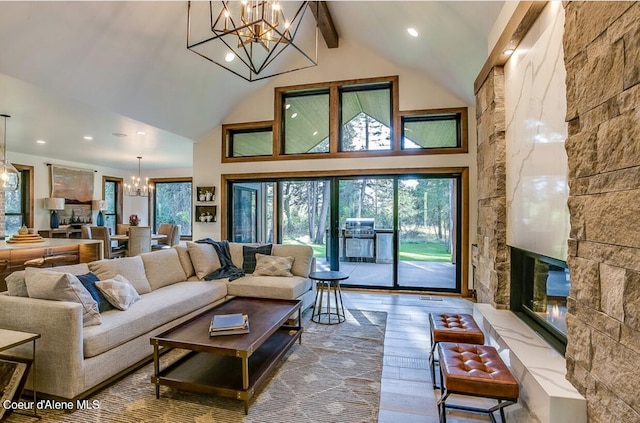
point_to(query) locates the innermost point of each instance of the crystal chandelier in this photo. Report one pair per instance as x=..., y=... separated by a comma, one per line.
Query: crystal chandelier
x=245, y=37
x=136, y=188
x=9, y=175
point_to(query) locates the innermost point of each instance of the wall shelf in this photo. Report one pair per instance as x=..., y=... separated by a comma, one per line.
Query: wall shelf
x=211, y=210
x=206, y=195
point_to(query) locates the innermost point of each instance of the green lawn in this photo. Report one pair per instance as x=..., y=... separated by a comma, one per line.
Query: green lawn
x=430, y=251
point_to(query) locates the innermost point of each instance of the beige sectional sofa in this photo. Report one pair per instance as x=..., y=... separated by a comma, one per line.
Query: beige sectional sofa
x=73, y=360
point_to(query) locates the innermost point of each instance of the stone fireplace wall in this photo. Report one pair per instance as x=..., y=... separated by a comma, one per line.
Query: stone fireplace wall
x=602, y=60
x=492, y=278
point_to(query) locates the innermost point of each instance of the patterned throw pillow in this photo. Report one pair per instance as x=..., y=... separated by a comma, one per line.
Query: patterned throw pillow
x=89, y=280
x=273, y=265
x=249, y=256
x=119, y=291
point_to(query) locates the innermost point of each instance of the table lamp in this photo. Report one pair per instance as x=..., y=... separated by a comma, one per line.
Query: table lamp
x=54, y=204
x=100, y=206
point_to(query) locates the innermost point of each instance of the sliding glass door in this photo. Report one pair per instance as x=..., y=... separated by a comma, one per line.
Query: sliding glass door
x=427, y=233
x=391, y=232
x=365, y=235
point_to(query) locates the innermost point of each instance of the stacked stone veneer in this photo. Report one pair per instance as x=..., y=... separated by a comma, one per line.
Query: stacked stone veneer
x=602, y=59
x=492, y=280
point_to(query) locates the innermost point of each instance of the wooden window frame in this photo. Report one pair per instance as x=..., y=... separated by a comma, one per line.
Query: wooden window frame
x=152, y=202
x=227, y=140
x=279, y=136
x=463, y=171
x=334, y=125
x=119, y=194
x=334, y=118
x=28, y=200
x=345, y=89
x=463, y=135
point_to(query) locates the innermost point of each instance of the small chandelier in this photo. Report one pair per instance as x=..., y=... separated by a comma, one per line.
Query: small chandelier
x=136, y=188
x=9, y=175
x=245, y=37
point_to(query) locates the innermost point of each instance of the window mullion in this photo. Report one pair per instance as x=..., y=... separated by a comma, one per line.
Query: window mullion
x=334, y=119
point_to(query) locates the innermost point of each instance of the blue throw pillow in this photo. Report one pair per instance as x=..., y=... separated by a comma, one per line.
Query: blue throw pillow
x=249, y=256
x=89, y=280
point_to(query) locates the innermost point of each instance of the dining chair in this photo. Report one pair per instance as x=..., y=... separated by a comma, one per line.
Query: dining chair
x=172, y=233
x=139, y=240
x=122, y=228
x=86, y=231
x=102, y=232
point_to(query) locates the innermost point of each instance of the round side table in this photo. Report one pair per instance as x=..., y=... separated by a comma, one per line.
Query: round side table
x=327, y=283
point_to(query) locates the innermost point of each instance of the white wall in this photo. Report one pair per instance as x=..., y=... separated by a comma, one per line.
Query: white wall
x=350, y=61
x=42, y=185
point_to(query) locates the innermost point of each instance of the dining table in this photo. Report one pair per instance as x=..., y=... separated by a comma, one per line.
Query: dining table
x=125, y=237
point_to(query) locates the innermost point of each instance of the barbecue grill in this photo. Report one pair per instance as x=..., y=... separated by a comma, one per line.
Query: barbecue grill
x=359, y=234
x=359, y=227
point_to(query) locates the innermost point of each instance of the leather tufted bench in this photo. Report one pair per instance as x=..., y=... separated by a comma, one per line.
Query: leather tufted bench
x=475, y=370
x=447, y=327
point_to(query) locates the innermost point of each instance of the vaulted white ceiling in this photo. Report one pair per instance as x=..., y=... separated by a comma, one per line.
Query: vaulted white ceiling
x=71, y=69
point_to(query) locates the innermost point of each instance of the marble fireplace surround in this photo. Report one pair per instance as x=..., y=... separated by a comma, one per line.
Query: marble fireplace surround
x=539, y=369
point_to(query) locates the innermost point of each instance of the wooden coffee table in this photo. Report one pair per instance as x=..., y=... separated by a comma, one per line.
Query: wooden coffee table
x=231, y=366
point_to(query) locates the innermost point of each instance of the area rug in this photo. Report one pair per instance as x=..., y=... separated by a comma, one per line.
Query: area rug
x=333, y=376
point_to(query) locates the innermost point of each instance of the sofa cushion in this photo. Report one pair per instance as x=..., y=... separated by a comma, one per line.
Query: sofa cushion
x=131, y=268
x=15, y=281
x=119, y=291
x=204, y=258
x=273, y=265
x=163, y=268
x=185, y=260
x=287, y=288
x=249, y=256
x=236, y=250
x=303, y=255
x=88, y=280
x=16, y=286
x=58, y=286
x=154, y=310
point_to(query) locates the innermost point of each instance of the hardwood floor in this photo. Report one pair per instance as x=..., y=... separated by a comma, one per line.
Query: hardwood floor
x=406, y=393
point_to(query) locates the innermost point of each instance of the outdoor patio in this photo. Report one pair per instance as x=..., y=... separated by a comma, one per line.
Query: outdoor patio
x=412, y=274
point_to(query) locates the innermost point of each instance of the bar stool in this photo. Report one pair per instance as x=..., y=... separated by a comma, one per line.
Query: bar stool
x=328, y=282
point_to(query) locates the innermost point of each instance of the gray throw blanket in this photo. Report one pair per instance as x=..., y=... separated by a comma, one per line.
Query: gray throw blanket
x=227, y=268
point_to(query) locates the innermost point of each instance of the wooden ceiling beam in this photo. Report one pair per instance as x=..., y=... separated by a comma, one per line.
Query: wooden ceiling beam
x=321, y=12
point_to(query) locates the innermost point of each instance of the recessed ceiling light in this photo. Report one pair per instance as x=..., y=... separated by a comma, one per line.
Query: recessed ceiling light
x=287, y=106
x=508, y=51
x=141, y=133
x=88, y=138
x=119, y=134
x=315, y=133
x=41, y=141
x=293, y=116
x=412, y=32
x=229, y=57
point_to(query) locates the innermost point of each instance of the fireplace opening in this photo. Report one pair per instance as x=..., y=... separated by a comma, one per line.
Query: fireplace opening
x=539, y=290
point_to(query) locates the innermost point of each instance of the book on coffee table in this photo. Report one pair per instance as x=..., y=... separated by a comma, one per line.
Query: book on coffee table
x=229, y=324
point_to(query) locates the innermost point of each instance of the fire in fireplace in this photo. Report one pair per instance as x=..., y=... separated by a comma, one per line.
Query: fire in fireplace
x=539, y=291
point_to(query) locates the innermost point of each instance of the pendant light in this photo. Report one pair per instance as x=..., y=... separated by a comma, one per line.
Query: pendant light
x=137, y=188
x=9, y=175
